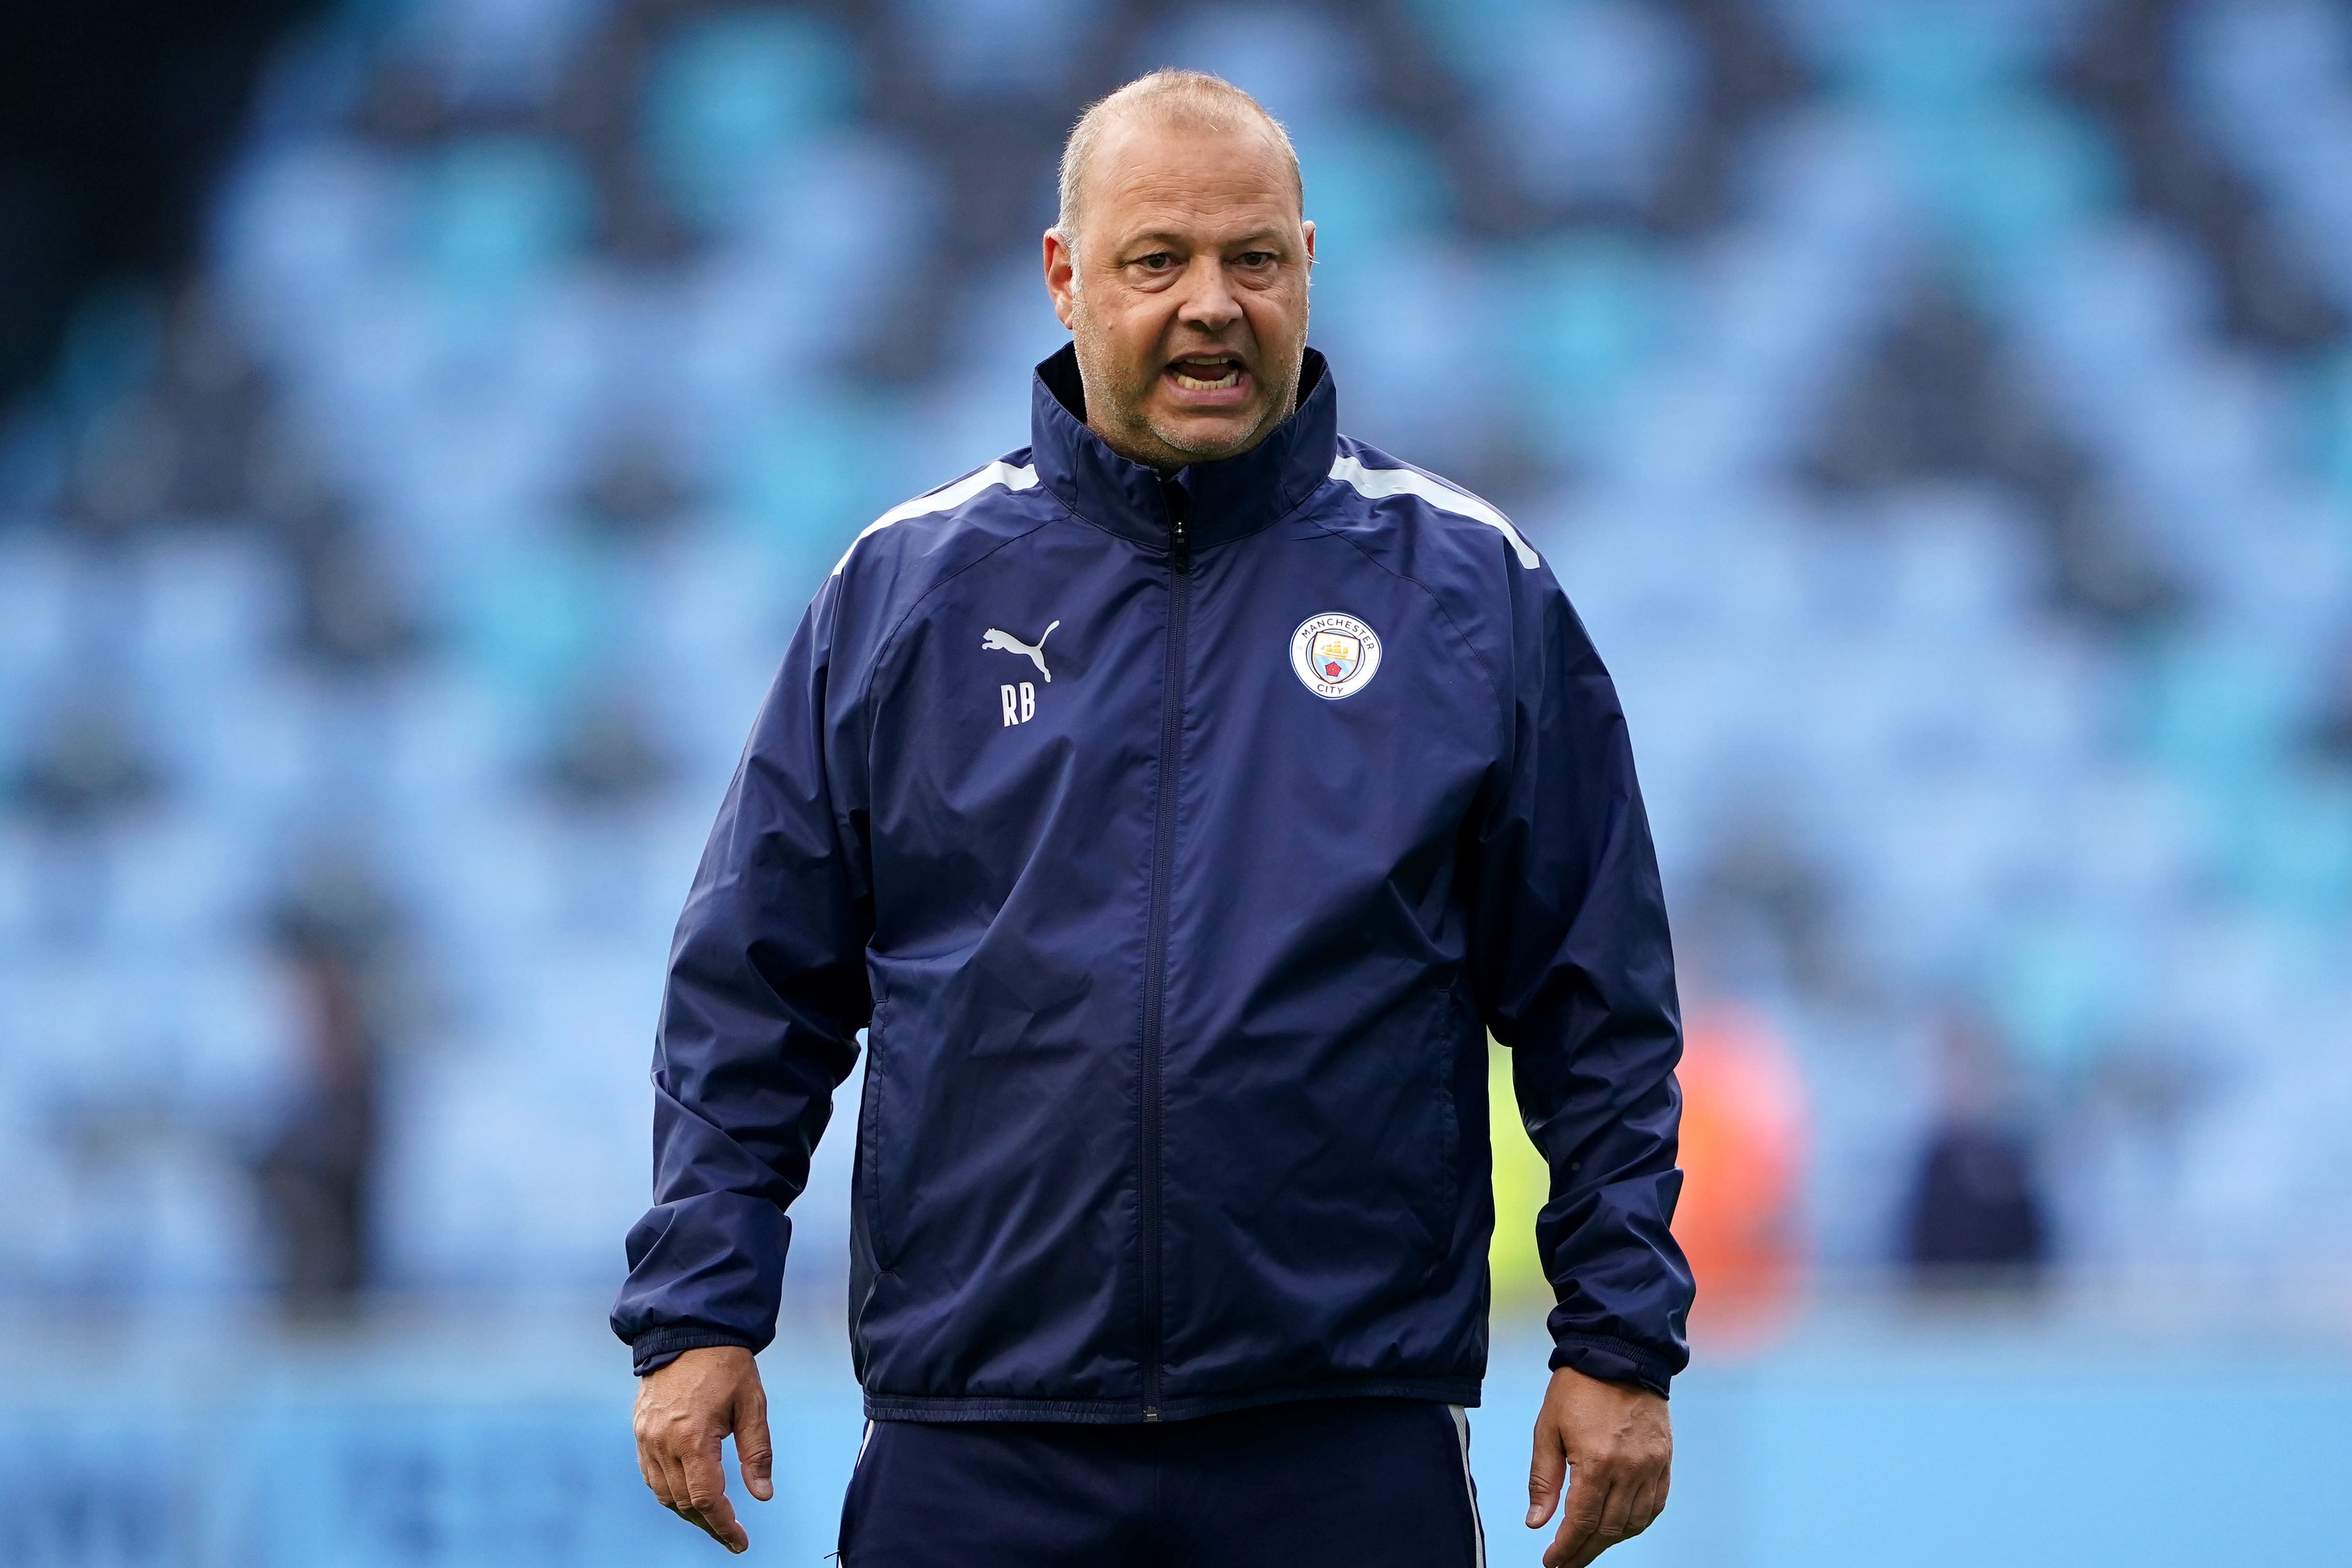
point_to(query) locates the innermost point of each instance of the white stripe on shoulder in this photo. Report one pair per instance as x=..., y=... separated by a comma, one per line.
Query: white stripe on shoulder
x=946, y=498
x=1375, y=483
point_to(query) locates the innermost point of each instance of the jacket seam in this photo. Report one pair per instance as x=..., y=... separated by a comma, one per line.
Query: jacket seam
x=1297, y=511
x=1455, y=1390
x=883, y=648
x=1494, y=682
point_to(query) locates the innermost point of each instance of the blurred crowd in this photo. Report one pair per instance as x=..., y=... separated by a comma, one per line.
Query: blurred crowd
x=1940, y=412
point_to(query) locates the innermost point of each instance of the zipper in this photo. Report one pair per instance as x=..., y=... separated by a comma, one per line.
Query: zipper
x=1155, y=958
x=1179, y=547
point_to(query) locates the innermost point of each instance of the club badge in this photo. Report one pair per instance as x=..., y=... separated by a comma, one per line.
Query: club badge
x=1335, y=655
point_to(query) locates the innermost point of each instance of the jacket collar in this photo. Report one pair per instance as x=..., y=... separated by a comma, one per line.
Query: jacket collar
x=1223, y=500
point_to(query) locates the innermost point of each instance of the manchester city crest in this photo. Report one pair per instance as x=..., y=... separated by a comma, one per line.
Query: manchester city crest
x=1334, y=656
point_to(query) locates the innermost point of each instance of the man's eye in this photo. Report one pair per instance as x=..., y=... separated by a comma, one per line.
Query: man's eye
x=1255, y=259
x=1157, y=261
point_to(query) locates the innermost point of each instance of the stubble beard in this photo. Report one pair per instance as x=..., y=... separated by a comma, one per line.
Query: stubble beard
x=1124, y=423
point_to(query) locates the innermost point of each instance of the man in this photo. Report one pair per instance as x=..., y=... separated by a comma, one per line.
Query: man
x=1176, y=802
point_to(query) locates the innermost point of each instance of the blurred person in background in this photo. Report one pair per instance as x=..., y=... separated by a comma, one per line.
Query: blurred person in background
x=317, y=1172
x=1177, y=803
x=1974, y=1218
x=1743, y=1153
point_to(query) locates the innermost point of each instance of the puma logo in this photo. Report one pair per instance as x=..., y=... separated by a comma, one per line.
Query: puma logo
x=1005, y=642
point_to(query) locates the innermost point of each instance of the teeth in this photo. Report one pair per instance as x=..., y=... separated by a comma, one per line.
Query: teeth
x=1231, y=375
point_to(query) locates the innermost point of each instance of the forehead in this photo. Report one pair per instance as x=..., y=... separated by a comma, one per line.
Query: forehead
x=1161, y=172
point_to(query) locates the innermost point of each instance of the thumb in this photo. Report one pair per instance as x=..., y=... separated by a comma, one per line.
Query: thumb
x=1546, y=1469
x=755, y=1456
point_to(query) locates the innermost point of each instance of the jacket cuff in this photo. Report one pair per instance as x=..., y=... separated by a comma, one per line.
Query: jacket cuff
x=1613, y=1361
x=651, y=1352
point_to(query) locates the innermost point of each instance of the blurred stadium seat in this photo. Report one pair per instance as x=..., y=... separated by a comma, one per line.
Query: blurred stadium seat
x=1941, y=415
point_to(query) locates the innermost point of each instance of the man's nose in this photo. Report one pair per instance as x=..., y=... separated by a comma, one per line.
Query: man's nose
x=1208, y=304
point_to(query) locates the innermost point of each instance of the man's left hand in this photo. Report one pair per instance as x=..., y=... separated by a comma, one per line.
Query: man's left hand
x=1612, y=1443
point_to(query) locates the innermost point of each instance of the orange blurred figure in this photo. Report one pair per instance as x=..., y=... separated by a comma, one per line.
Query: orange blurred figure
x=1744, y=1139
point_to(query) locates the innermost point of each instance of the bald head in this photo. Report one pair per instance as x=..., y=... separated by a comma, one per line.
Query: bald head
x=1186, y=297
x=1189, y=100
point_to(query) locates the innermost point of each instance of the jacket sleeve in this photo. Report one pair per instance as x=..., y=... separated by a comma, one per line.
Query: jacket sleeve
x=766, y=991
x=1574, y=972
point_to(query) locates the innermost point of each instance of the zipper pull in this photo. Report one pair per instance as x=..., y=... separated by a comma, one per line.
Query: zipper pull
x=1179, y=548
x=1151, y=1413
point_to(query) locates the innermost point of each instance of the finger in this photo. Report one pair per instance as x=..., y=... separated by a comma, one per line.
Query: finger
x=755, y=1456
x=650, y=1468
x=672, y=1490
x=1638, y=1511
x=681, y=1497
x=1616, y=1516
x=1546, y=1466
x=1595, y=1543
x=706, y=1492
x=1649, y=1505
x=1574, y=1545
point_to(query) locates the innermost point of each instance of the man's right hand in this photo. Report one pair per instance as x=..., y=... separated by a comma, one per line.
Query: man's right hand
x=1614, y=1445
x=683, y=1411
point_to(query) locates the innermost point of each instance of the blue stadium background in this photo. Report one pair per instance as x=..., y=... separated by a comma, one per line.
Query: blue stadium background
x=1941, y=412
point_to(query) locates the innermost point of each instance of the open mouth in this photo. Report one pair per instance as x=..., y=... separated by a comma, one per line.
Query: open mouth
x=1206, y=372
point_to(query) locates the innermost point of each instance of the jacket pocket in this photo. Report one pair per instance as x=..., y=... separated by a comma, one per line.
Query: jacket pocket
x=1441, y=1048
x=872, y=1156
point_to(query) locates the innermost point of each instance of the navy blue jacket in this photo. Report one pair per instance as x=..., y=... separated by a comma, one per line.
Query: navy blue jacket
x=1177, y=842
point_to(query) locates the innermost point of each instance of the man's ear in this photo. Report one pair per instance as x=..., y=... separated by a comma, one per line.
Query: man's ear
x=1308, y=226
x=1061, y=275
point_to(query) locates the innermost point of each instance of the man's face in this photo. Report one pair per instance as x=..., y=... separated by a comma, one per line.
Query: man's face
x=1186, y=295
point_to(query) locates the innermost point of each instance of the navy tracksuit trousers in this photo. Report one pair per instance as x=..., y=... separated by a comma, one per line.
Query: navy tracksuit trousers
x=1350, y=1483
